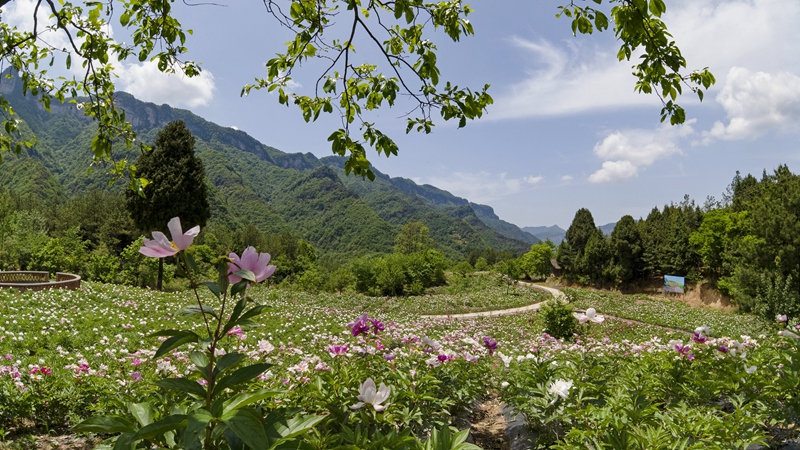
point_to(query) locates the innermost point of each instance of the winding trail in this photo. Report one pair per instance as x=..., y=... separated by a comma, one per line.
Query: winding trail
x=536, y=306
x=503, y=312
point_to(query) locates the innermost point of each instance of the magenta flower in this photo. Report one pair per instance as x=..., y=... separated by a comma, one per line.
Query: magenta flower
x=161, y=247
x=237, y=330
x=136, y=376
x=685, y=350
x=699, y=338
x=360, y=325
x=491, y=344
x=337, y=350
x=253, y=261
x=377, y=325
x=723, y=349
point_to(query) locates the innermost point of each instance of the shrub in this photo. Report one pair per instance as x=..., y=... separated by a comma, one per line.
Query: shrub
x=558, y=319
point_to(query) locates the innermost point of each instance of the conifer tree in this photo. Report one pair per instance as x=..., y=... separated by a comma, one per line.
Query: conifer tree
x=177, y=185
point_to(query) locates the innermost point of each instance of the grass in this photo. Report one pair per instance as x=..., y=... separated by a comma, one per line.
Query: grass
x=667, y=313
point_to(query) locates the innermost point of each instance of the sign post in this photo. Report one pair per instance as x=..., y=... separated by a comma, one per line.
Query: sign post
x=674, y=284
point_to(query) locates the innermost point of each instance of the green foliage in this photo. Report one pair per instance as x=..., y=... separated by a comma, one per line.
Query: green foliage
x=413, y=238
x=24, y=236
x=558, y=319
x=776, y=296
x=176, y=183
x=463, y=268
x=626, y=249
x=570, y=252
x=398, y=274
x=66, y=253
x=139, y=270
x=536, y=263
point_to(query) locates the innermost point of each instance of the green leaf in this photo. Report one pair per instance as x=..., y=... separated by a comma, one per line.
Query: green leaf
x=247, y=426
x=156, y=429
x=193, y=310
x=180, y=338
x=237, y=311
x=201, y=361
x=238, y=288
x=253, y=312
x=142, y=412
x=197, y=422
x=163, y=333
x=226, y=362
x=212, y=287
x=125, y=442
x=288, y=429
x=240, y=376
x=104, y=424
x=246, y=275
x=183, y=385
x=247, y=398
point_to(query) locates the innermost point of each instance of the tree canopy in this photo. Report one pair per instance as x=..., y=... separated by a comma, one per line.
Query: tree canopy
x=400, y=31
x=177, y=183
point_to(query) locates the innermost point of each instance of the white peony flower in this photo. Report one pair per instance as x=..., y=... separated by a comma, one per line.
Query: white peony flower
x=370, y=395
x=703, y=330
x=589, y=316
x=560, y=388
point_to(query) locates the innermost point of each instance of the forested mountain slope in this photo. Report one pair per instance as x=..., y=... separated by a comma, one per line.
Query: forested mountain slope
x=253, y=184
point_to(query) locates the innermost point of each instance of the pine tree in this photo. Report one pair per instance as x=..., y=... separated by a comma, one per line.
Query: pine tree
x=177, y=185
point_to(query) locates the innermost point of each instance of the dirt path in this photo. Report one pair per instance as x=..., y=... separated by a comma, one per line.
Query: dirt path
x=503, y=312
x=536, y=306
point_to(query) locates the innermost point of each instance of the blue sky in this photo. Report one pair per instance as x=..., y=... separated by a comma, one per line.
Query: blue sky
x=566, y=130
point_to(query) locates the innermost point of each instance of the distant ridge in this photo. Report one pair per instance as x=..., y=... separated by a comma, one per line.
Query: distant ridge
x=555, y=233
x=252, y=183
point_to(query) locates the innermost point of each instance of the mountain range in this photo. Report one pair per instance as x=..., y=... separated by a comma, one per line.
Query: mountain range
x=252, y=183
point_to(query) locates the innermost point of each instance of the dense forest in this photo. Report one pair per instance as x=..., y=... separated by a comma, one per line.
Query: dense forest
x=57, y=216
x=747, y=244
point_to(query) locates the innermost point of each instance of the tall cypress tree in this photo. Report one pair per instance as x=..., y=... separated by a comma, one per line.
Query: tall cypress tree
x=177, y=185
x=570, y=252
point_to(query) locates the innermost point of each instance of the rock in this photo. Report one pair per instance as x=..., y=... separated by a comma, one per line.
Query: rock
x=517, y=432
x=791, y=444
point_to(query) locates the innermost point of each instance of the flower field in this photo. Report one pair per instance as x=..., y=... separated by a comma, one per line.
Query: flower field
x=349, y=371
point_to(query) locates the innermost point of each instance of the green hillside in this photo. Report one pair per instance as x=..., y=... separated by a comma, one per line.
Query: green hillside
x=250, y=183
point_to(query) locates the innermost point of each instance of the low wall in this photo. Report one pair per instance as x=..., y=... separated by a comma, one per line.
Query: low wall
x=36, y=281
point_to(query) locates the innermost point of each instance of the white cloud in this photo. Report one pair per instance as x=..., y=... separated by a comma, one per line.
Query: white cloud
x=533, y=180
x=614, y=171
x=757, y=103
x=148, y=83
x=20, y=14
x=581, y=75
x=478, y=187
x=625, y=152
x=572, y=80
x=566, y=178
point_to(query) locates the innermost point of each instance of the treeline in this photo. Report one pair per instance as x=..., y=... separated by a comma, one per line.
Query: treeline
x=748, y=244
x=92, y=235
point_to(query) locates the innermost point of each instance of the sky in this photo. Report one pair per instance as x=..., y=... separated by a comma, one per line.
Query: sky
x=566, y=130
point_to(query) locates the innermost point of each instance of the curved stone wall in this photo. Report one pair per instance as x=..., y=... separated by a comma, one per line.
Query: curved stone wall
x=32, y=280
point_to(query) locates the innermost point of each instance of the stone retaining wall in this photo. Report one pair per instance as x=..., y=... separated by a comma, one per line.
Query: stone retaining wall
x=36, y=281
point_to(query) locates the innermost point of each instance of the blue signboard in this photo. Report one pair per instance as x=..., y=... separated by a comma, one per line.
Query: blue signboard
x=674, y=284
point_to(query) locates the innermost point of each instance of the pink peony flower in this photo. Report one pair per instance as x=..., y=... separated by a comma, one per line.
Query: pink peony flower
x=253, y=261
x=161, y=247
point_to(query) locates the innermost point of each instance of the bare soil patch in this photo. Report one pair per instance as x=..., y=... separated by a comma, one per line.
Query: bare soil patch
x=489, y=425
